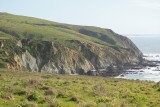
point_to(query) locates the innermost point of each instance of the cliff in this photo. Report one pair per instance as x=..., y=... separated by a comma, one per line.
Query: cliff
x=44, y=46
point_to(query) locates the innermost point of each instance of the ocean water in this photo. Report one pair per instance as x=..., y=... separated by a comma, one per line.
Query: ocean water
x=150, y=47
x=149, y=44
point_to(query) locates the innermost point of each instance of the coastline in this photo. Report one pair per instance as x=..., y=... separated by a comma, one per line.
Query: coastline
x=149, y=71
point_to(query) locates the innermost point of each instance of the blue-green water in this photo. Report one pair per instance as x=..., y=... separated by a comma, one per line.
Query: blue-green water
x=149, y=44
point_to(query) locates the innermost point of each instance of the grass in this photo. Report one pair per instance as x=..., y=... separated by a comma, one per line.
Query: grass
x=28, y=27
x=28, y=89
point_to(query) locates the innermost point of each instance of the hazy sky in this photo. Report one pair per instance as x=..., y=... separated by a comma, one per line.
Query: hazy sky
x=122, y=16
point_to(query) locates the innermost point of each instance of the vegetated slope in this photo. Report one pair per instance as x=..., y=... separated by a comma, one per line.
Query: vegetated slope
x=41, y=45
x=28, y=89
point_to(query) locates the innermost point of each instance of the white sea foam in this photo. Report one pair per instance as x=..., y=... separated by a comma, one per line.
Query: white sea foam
x=152, y=57
x=146, y=73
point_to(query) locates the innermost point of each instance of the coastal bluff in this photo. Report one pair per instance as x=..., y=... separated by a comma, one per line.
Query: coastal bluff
x=39, y=45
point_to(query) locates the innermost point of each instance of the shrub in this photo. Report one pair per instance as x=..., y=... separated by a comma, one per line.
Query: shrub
x=74, y=98
x=21, y=93
x=50, y=92
x=33, y=97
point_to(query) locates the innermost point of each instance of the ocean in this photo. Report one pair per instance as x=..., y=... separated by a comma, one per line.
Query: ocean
x=149, y=44
x=150, y=47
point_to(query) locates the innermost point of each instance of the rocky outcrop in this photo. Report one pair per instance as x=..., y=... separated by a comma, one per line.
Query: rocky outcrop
x=28, y=61
x=76, y=57
x=53, y=57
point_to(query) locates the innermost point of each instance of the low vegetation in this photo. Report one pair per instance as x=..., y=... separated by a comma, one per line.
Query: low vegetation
x=28, y=89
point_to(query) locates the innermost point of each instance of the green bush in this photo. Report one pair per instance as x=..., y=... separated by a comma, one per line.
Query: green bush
x=33, y=97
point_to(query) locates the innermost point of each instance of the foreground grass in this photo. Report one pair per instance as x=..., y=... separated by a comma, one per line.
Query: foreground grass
x=25, y=89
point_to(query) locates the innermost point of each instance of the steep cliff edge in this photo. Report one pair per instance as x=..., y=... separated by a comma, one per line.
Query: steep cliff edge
x=44, y=46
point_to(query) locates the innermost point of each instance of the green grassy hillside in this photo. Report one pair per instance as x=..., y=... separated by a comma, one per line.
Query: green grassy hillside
x=33, y=28
x=61, y=48
x=24, y=89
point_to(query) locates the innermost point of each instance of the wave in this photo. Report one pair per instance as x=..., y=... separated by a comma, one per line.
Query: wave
x=145, y=73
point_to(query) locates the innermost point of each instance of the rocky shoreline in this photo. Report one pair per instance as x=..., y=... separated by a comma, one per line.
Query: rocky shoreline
x=149, y=70
x=114, y=70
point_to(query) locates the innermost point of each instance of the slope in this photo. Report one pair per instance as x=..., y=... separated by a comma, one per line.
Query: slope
x=46, y=46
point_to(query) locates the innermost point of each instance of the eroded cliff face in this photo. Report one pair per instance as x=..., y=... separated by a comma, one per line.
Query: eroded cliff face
x=75, y=57
x=43, y=46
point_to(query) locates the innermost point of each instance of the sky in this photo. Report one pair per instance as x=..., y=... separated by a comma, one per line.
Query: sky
x=122, y=16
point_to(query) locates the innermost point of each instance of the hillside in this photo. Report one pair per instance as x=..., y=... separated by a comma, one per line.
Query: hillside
x=28, y=89
x=45, y=46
